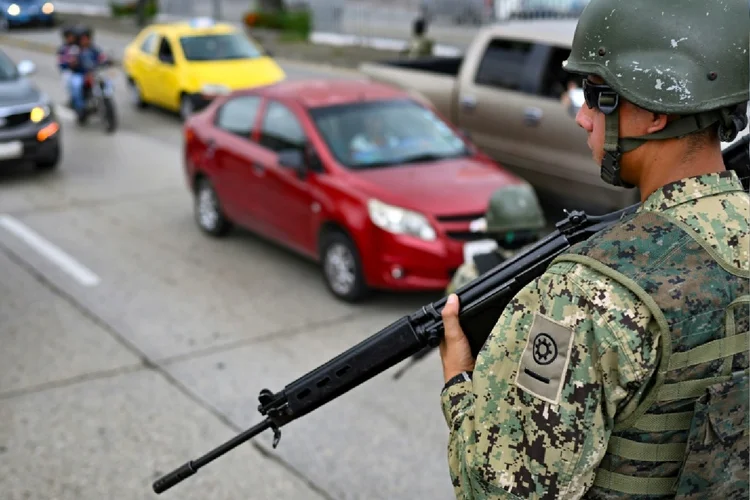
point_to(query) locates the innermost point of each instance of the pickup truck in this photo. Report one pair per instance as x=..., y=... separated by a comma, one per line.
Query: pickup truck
x=505, y=92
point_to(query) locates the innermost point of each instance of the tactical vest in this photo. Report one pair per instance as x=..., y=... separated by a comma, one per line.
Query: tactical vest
x=688, y=439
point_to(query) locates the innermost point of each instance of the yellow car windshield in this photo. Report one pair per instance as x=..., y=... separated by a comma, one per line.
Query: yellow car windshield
x=218, y=47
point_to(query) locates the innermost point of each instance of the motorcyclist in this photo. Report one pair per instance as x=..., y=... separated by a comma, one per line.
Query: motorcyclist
x=83, y=60
x=64, y=54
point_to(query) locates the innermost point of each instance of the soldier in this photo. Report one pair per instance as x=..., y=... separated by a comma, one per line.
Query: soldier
x=514, y=220
x=622, y=372
x=420, y=44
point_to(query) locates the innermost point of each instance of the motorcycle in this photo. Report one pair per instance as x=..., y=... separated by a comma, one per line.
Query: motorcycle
x=99, y=96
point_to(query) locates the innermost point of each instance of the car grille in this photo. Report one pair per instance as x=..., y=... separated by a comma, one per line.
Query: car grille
x=457, y=226
x=14, y=120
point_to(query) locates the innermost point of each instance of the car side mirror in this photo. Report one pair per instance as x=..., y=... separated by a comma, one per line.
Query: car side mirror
x=575, y=101
x=26, y=67
x=293, y=159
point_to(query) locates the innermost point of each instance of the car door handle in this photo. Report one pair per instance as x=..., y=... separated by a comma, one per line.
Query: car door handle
x=468, y=102
x=259, y=170
x=532, y=116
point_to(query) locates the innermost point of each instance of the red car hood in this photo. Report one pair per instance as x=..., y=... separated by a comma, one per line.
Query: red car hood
x=448, y=187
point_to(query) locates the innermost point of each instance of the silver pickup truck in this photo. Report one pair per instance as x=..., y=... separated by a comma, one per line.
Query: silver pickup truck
x=506, y=93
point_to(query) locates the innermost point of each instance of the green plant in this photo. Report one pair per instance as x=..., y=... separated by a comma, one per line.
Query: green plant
x=294, y=24
x=120, y=9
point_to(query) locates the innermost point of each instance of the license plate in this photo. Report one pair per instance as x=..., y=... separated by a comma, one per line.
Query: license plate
x=11, y=150
x=473, y=248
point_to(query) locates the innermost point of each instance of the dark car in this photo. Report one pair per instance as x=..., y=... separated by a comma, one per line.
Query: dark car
x=29, y=129
x=26, y=13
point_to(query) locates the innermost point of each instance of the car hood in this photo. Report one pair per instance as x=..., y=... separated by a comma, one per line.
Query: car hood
x=237, y=74
x=18, y=92
x=449, y=187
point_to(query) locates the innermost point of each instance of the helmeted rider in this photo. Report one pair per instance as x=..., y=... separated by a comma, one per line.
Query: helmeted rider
x=83, y=60
x=514, y=219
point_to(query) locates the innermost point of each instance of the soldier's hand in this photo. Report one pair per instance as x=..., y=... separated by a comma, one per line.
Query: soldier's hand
x=455, y=351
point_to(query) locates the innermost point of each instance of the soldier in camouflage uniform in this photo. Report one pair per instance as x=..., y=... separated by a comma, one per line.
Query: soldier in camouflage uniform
x=622, y=372
x=514, y=219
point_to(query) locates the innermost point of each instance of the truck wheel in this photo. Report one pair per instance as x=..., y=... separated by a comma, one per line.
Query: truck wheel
x=208, y=213
x=342, y=267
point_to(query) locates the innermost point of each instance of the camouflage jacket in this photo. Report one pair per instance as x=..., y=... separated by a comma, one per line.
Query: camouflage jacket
x=505, y=444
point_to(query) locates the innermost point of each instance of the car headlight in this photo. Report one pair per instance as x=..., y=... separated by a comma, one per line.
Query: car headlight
x=48, y=8
x=39, y=113
x=214, y=89
x=399, y=220
x=13, y=10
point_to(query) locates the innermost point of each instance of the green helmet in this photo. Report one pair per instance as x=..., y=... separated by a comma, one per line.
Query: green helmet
x=684, y=57
x=514, y=214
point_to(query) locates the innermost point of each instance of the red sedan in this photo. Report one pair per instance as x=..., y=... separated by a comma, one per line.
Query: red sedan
x=360, y=177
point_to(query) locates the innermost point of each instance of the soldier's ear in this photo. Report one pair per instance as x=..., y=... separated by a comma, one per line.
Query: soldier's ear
x=658, y=121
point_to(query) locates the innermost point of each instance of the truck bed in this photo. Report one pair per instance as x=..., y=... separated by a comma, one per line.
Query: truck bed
x=434, y=78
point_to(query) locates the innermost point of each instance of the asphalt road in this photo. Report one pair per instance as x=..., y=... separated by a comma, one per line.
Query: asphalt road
x=132, y=343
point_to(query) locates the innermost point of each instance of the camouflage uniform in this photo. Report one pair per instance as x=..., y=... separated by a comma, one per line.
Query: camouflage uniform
x=509, y=440
x=622, y=372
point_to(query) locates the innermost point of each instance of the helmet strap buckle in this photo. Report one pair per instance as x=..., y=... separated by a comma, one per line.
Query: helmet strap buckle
x=610, y=166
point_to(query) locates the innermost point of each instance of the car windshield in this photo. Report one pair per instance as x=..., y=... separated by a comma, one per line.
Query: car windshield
x=386, y=133
x=218, y=47
x=8, y=70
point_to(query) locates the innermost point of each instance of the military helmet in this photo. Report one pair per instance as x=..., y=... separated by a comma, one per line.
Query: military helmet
x=513, y=215
x=684, y=57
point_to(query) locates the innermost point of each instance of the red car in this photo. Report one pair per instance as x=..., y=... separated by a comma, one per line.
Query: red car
x=358, y=176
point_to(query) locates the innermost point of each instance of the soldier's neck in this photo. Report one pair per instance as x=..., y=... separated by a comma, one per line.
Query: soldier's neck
x=662, y=171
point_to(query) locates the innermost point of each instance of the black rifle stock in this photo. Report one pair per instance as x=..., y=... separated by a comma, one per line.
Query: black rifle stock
x=481, y=303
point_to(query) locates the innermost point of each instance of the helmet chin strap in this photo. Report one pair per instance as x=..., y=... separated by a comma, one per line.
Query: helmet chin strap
x=731, y=122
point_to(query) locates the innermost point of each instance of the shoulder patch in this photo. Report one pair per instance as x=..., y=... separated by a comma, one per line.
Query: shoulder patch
x=545, y=359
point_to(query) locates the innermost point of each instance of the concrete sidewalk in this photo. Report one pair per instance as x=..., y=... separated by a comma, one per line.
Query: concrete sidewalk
x=114, y=34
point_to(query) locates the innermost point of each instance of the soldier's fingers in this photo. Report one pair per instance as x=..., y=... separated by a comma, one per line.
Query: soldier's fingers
x=450, y=318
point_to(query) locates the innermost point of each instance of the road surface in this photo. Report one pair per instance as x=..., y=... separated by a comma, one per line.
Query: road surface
x=133, y=343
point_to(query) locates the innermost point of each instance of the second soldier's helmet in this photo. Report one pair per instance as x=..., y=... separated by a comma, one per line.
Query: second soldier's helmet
x=514, y=216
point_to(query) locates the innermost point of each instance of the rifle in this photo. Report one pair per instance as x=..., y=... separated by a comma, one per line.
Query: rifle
x=481, y=303
x=736, y=157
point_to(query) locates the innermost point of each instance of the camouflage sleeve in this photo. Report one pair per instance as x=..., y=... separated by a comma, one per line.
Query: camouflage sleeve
x=464, y=274
x=570, y=354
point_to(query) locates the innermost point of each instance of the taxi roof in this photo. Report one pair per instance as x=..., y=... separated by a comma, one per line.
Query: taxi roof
x=314, y=93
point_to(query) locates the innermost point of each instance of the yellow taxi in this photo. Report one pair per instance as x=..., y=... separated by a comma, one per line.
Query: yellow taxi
x=182, y=66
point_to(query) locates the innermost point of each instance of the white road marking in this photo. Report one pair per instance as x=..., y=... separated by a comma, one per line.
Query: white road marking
x=49, y=250
x=65, y=113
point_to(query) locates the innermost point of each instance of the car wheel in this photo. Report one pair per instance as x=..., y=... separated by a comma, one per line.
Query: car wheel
x=186, y=107
x=50, y=163
x=208, y=213
x=342, y=267
x=136, y=97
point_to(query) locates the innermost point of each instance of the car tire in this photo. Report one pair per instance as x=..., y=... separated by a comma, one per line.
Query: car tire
x=342, y=267
x=51, y=163
x=136, y=97
x=207, y=210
